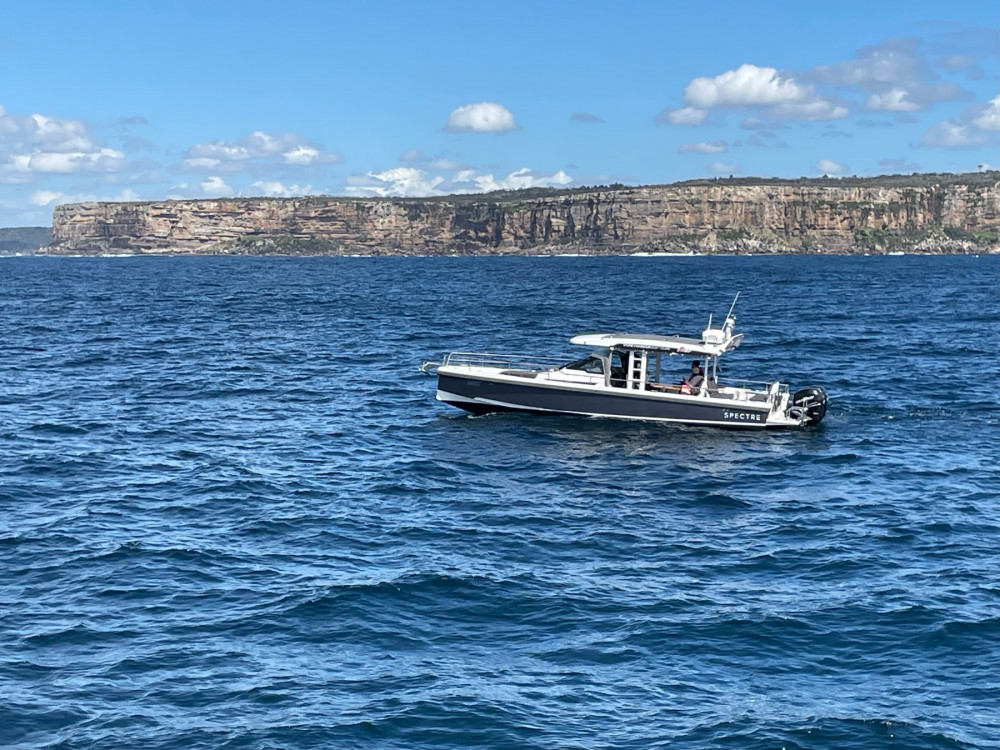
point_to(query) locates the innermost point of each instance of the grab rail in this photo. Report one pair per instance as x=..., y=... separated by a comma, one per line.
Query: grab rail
x=506, y=361
x=758, y=386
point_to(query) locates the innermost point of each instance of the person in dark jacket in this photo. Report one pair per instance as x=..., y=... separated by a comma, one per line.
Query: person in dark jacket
x=694, y=379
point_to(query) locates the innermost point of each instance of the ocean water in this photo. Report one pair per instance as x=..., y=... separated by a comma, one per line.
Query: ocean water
x=233, y=516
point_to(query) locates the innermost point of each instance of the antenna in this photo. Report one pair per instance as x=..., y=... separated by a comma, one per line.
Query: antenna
x=733, y=306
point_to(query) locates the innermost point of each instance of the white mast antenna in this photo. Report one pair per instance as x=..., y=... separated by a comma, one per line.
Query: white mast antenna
x=733, y=306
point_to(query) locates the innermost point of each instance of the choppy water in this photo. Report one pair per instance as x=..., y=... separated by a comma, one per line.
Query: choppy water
x=232, y=515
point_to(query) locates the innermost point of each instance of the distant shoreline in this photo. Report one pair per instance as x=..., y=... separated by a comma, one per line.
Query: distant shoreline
x=936, y=214
x=389, y=256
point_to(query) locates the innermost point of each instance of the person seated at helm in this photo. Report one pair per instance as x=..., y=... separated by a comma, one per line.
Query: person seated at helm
x=694, y=380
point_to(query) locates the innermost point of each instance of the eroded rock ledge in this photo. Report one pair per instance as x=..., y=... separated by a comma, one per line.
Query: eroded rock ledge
x=916, y=213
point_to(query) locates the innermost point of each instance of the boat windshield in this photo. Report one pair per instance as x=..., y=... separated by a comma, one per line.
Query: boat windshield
x=593, y=365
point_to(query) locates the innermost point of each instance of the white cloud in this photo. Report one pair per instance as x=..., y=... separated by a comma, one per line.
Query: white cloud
x=828, y=166
x=36, y=145
x=404, y=182
x=410, y=182
x=685, y=116
x=484, y=117
x=254, y=151
x=43, y=133
x=762, y=89
x=975, y=127
x=300, y=155
x=893, y=62
x=989, y=119
x=276, y=189
x=951, y=134
x=102, y=160
x=747, y=86
x=521, y=179
x=720, y=168
x=817, y=109
x=215, y=187
x=210, y=187
x=713, y=147
x=893, y=100
x=55, y=198
x=893, y=76
x=896, y=75
x=44, y=197
x=201, y=163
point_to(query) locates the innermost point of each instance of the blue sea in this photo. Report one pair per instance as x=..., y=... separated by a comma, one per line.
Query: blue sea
x=232, y=514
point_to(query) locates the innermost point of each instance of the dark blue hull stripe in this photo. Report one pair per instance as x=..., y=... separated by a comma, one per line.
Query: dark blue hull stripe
x=485, y=396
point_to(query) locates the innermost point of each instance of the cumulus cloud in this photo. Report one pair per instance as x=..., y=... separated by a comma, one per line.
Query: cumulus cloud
x=989, y=118
x=256, y=150
x=101, y=160
x=410, y=182
x=215, y=187
x=721, y=168
x=44, y=197
x=828, y=166
x=896, y=75
x=37, y=145
x=713, y=147
x=816, y=109
x=682, y=116
x=893, y=100
x=759, y=88
x=747, y=86
x=51, y=198
x=210, y=187
x=975, y=127
x=951, y=134
x=403, y=182
x=522, y=178
x=484, y=117
x=277, y=189
x=750, y=86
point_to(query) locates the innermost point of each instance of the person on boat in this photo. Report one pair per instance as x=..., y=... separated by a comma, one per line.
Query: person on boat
x=694, y=380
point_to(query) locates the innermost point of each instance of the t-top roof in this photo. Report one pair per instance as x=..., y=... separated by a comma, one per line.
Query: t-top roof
x=654, y=342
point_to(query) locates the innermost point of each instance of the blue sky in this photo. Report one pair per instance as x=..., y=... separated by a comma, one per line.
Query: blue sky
x=148, y=101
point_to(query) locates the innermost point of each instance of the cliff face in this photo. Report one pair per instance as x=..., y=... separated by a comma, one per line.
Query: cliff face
x=957, y=213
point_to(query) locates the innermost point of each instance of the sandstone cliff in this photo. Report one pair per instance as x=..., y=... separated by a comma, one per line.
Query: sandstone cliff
x=918, y=213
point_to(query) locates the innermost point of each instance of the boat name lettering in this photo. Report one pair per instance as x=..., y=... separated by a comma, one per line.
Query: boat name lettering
x=741, y=416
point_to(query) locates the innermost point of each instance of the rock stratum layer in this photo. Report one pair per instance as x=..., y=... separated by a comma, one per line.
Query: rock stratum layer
x=919, y=213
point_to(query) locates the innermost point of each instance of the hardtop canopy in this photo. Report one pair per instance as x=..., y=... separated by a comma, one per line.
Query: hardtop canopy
x=655, y=342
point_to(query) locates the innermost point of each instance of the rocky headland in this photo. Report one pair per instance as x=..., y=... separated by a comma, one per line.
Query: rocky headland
x=924, y=213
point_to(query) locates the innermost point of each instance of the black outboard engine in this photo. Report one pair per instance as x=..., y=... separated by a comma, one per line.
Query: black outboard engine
x=812, y=403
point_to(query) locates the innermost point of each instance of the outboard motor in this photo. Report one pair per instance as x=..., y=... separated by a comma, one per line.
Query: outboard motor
x=811, y=403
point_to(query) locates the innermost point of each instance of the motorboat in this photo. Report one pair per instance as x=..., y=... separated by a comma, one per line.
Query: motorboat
x=628, y=376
